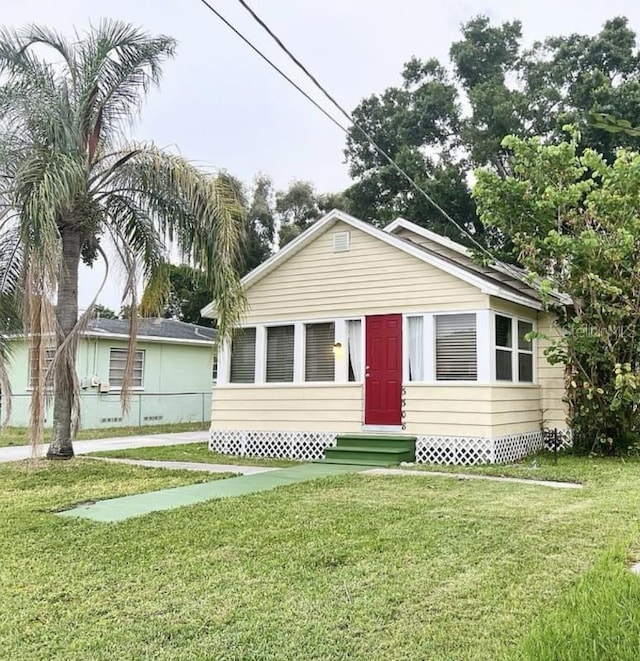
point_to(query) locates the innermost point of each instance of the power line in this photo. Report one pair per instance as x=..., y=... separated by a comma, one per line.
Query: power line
x=350, y=118
x=274, y=66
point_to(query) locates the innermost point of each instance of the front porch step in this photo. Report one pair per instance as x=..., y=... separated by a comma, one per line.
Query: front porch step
x=371, y=449
x=376, y=441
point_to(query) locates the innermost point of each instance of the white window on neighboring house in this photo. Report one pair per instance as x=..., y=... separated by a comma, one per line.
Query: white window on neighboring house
x=415, y=333
x=214, y=367
x=49, y=354
x=319, y=362
x=354, y=350
x=243, y=356
x=456, y=354
x=117, y=367
x=280, y=354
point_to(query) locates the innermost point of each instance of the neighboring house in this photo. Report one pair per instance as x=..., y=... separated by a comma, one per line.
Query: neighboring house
x=172, y=373
x=351, y=328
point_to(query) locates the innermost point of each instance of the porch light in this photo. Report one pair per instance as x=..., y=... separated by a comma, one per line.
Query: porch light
x=337, y=348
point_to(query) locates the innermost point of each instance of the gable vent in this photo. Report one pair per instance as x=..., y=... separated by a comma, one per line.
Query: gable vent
x=341, y=241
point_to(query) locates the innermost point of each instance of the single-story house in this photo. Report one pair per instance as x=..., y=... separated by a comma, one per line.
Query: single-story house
x=351, y=328
x=172, y=377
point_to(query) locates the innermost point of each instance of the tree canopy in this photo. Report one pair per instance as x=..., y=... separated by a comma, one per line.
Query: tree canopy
x=441, y=122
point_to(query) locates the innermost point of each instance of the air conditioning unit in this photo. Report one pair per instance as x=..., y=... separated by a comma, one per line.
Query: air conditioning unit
x=104, y=387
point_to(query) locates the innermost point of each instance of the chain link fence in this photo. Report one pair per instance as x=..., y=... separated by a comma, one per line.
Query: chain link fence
x=105, y=410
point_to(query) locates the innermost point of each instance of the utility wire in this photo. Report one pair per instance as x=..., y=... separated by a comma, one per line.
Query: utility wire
x=274, y=66
x=350, y=118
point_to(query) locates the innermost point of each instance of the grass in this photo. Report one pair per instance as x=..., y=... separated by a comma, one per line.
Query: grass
x=543, y=466
x=20, y=435
x=351, y=567
x=197, y=452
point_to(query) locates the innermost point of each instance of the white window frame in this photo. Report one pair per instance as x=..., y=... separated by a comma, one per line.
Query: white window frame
x=125, y=351
x=515, y=350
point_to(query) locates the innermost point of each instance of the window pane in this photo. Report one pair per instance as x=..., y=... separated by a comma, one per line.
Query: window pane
x=525, y=367
x=280, y=354
x=504, y=371
x=415, y=328
x=243, y=356
x=503, y=332
x=319, y=359
x=354, y=340
x=524, y=327
x=456, y=358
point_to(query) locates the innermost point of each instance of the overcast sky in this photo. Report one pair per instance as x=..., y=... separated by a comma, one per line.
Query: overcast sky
x=222, y=106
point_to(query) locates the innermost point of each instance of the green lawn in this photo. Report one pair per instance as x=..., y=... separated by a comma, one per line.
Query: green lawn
x=20, y=435
x=198, y=452
x=352, y=567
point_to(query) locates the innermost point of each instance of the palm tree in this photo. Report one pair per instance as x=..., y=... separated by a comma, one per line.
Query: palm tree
x=69, y=183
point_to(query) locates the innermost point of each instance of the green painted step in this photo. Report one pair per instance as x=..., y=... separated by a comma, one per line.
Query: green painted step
x=376, y=441
x=376, y=457
x=343, y=461
x=372, y=449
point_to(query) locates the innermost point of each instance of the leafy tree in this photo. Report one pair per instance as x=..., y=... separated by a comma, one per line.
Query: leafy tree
x=260, y=233
x=504, y=89
x=102, y=312
x=574, y=221
x=188, y=295
x=299, y=206
x=69, y=177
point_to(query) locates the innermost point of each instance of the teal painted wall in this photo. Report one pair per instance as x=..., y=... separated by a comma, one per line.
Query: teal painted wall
x=176, y=384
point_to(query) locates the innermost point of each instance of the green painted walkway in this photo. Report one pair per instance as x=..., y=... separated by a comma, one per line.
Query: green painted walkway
x=119, y=509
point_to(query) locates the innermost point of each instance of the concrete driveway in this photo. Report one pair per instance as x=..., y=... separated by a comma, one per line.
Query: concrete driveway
x=20, y=452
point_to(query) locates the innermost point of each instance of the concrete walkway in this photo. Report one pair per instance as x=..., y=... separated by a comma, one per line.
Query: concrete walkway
x=468, y=476
x=119, y=509
x=20, y=452
x=191, y=466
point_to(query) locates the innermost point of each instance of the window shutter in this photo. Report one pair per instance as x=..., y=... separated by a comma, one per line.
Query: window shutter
x=117, y=366
x=280, y=354
x=456, y=358
x=243, y=356
x=49, y=354
x=319, y=359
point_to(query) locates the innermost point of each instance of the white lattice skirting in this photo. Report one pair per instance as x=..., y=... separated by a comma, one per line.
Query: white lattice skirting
x=455, y=450
x=300, y=445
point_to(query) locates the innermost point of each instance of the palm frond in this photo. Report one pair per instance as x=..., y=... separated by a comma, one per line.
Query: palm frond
x=198, y=212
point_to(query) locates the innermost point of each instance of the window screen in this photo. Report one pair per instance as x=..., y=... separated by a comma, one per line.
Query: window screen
x=456, y=358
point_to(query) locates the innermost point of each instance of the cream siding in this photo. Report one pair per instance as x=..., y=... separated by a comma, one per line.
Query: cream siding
x=327, y=408
x=551, y=378
x=448, y=410
x=372, y=277
x=516, y=409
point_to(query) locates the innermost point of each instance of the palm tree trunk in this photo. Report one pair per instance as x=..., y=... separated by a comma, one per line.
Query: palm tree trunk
x=61, y=446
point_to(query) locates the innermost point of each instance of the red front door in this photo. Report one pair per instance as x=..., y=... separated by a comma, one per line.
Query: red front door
x=383, y=370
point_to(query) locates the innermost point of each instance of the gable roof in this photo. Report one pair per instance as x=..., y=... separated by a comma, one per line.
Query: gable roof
x=458, y=263
x=155, y=329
